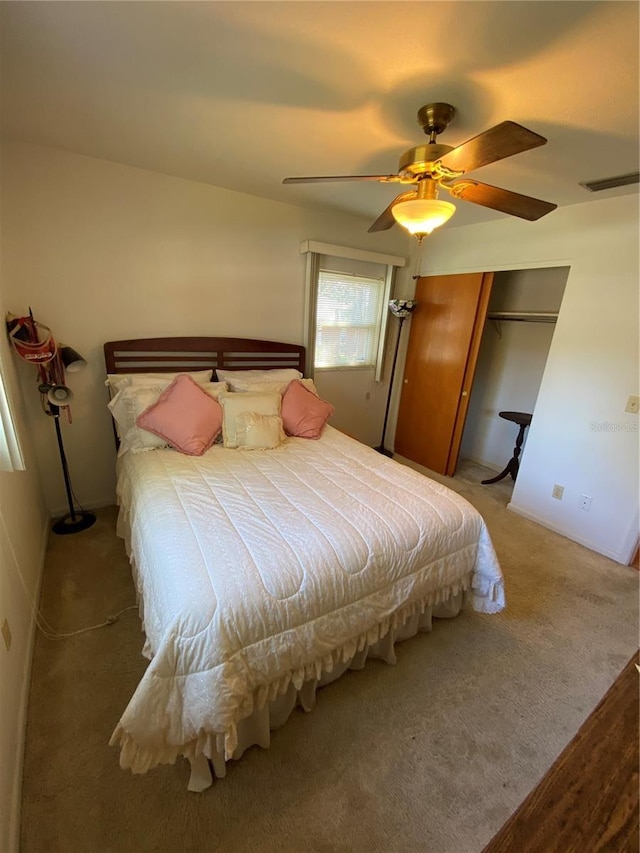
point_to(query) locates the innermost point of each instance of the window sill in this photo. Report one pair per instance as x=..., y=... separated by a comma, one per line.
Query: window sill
x=341, y=368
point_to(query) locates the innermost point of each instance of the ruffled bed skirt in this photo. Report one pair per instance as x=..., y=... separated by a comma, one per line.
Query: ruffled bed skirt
x=256, y=729
x=209, y=752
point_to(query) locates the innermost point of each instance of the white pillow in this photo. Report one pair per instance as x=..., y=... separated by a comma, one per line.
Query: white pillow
x=131, y=401
x=250, y=385
x=259, y=432
x=277, y=374
x=124, y=380
x=310, y=385
x=242, y=404
x=241, y=385
x=214, y=389
x=126, y=406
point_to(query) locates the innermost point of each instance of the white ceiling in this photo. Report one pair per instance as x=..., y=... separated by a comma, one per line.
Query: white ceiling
x=242, y=94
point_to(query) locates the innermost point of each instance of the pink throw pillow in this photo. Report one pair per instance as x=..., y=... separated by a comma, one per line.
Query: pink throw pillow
x=303, y=414
x=185, y=416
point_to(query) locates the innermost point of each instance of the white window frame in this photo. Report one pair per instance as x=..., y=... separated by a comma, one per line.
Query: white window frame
x=11, y=457
x=313, y=250
x=371, y=331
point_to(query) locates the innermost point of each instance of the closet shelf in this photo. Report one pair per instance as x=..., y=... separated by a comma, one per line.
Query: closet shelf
x=524, y=316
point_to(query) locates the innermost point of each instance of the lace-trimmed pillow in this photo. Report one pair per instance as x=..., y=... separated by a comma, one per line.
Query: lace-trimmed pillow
x=185, y=416
x=125, y=407
x=259, y=432
x=235, y=405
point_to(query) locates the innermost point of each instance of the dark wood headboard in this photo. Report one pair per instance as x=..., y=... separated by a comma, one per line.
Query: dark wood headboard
x=154, y=355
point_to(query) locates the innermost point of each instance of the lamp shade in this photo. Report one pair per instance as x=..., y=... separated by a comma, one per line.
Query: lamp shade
x=422, y=215
x=59, y=395
x=71, y=359
x=402, y=307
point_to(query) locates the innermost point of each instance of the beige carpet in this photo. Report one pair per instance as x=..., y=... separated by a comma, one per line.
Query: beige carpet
x=430, y=755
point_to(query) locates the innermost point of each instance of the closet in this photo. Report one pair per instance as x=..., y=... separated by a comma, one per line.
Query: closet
x=517, y=335
x=478, y=345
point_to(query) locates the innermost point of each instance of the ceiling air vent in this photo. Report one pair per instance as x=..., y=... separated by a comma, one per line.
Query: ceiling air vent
x=610, y=183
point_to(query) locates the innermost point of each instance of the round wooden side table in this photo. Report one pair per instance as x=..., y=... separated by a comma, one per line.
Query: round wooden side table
x=523, y=419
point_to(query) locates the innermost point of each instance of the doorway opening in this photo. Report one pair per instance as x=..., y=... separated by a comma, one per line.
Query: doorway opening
x=515, y=343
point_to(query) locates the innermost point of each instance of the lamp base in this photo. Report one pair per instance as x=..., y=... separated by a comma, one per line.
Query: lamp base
x=384, y=451
x=80, y=520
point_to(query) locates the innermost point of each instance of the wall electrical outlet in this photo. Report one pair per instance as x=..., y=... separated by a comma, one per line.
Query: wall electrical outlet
x=585, y=502
x=6, y=635
x=633, y=404
x=558, y=492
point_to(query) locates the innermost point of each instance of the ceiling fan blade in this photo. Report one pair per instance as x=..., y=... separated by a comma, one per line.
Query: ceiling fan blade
x=498, y=142
x=385, y=220
x=498, y=199
x=317, y=180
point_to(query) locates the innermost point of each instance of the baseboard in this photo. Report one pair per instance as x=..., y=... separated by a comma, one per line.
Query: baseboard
x=490, y=466
x=58, y=512
x=16, y=803
x=613, y=555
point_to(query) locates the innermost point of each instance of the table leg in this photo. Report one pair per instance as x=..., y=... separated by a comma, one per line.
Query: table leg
x=513, y=465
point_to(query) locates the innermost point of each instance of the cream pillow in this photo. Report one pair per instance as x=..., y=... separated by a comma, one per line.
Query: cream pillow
x=213, y=389
x=276, y=374
x=234, y=405
x=279, y=387
x=250, y=385
x=117, y=381
x=259, y=432
x=310, y=385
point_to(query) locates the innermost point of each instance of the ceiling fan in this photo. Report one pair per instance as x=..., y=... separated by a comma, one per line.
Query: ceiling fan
x=432, y=166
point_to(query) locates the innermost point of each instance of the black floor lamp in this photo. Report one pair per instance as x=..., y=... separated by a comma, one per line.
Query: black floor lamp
x=76, y=519
x=34, y=343
x=400, y=308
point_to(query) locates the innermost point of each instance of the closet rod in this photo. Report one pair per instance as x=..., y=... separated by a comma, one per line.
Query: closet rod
x=524, y=316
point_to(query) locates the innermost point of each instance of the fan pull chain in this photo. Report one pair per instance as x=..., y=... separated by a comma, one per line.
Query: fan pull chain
x=418, y=264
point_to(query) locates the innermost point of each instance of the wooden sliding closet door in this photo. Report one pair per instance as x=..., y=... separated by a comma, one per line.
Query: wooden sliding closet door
x=446, y=329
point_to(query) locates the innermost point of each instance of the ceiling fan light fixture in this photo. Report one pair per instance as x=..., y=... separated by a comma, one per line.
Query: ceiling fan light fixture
x=421, y=216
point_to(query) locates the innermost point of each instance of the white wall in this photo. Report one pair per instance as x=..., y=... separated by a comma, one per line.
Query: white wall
x=359, y=400
x=24, y=525
x=104, y=252
x=582, y=438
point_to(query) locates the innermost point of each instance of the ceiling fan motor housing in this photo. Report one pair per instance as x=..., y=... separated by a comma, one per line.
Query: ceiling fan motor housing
x=418, y=160
x=435, y=118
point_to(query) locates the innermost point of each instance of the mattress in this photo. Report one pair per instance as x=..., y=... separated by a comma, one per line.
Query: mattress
x=260, y=571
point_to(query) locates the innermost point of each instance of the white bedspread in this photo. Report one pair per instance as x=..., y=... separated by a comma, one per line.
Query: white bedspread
x=258, y=569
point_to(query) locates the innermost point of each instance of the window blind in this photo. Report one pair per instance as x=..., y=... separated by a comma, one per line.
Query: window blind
x=348, y=314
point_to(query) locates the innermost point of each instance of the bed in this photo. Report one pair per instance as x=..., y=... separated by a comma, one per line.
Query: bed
x=264, y=572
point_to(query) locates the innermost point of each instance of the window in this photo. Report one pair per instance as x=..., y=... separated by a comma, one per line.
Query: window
x=348, y=315
x=10, y=453
x=347, y=291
